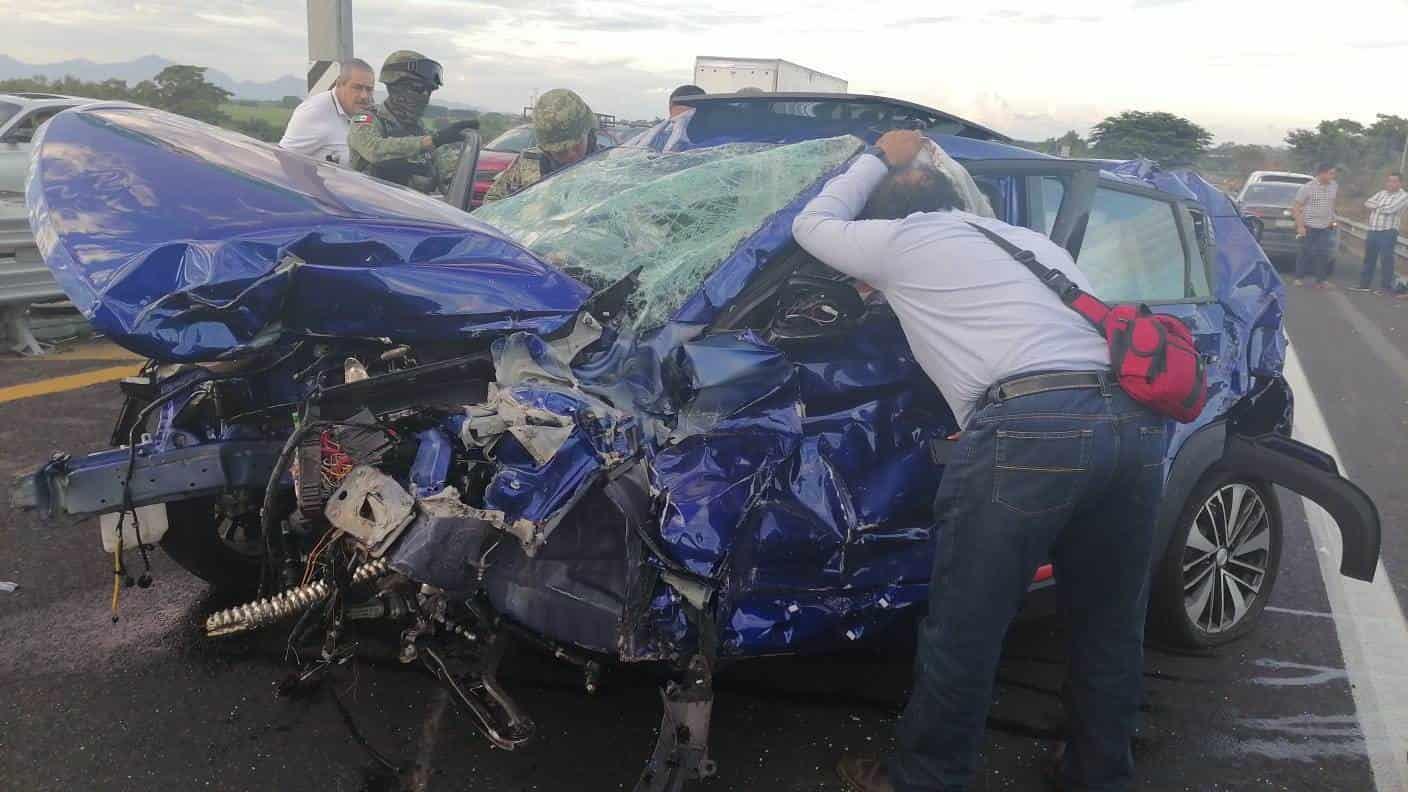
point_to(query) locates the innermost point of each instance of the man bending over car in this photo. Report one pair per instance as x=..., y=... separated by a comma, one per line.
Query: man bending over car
x=1054, y=462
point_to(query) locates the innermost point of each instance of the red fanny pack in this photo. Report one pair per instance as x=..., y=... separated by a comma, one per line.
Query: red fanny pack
x=1152, y=355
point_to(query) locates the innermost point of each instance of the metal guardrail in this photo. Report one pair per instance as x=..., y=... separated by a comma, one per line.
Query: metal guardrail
x=1360, y=231
x=24, y=278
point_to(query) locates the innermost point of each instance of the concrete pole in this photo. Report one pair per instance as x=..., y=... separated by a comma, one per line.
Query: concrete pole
x=329, y=41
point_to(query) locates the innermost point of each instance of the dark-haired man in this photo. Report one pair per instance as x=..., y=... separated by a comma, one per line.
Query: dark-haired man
x=680, y=93
x=1314, y=211
x=1054, y=462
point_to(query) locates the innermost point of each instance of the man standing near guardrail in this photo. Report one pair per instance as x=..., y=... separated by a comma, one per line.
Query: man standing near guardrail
x=1385, y=212
x=1314, y=211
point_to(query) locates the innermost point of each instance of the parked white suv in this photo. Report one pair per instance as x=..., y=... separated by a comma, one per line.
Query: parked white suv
x=20, y=117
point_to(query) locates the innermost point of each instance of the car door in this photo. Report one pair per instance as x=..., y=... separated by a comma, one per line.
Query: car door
x=832, y=544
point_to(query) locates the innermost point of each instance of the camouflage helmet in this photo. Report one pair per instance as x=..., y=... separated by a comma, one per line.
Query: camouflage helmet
x=560, y=120
x=409, y=64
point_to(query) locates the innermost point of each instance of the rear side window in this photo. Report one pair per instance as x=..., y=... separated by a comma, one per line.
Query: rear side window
x=1044, y=202
x=24, y=129
x=1269, y=192
x=1134, y=251
x=7, y=111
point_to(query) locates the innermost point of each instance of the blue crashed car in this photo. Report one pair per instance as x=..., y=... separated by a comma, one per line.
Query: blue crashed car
x=620, y=415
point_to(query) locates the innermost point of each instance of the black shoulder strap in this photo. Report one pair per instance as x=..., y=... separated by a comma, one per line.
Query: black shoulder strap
x=1055, y=280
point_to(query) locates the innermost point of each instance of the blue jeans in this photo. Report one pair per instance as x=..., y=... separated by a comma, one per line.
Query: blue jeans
x=1073, y=477
x=1378, y=247
x=1314, y=256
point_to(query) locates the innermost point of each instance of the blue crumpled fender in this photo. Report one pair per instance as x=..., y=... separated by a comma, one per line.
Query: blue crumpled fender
x=740, y=423
x=186, y=242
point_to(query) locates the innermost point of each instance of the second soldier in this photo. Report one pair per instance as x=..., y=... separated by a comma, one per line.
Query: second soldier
x=391, y=142
x=564, y=130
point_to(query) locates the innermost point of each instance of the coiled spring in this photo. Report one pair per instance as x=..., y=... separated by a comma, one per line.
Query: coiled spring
x=263, y=612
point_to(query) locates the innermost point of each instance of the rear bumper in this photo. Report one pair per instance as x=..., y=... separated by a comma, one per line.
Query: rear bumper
x=1279, y=243
x=68, y=488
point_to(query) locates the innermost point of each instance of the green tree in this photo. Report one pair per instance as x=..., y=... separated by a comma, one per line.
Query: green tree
x=1338, y=142
x=1236, y=160
x=183, y=90
x=1387, y=136
x=69, y=86
x=1164, y=137
x=257, y=128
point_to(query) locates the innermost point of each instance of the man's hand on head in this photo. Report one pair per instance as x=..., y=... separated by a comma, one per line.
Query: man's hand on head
x=901, y=146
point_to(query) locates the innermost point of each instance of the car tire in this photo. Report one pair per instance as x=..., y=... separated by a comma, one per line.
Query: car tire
x=1210, y=587
x=195, y=541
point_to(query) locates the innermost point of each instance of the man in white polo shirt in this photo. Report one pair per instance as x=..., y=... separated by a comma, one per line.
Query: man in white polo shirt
x=319, y=125
x=1055, y=462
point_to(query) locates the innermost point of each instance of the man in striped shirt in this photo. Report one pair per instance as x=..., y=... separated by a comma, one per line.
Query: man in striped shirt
x=1314, y=211
x=1385, y=210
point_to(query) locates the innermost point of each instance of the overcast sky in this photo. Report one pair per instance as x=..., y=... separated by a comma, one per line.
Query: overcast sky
x=1247, y=70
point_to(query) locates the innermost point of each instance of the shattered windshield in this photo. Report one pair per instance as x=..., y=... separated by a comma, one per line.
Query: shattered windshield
x=676, y=215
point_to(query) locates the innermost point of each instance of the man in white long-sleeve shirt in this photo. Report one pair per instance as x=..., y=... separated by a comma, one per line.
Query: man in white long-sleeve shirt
x=1055, y=463
x=318, y=126
x=1385, y=214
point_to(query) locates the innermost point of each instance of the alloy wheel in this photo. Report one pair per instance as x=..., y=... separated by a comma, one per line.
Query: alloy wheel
x=1226, y=557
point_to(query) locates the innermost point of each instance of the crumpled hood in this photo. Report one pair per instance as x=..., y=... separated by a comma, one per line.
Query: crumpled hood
x=186, y=242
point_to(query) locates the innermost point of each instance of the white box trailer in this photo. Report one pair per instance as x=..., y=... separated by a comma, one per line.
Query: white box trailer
x=772, y=75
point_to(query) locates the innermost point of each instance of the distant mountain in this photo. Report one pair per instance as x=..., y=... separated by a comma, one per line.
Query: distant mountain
x=144, y=68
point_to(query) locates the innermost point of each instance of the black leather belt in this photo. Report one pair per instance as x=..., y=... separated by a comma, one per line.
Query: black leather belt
x=1028, y=384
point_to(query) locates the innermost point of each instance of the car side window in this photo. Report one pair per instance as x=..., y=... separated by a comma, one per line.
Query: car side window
x=24, y=129
x=1044, y=202
x=1133, y=251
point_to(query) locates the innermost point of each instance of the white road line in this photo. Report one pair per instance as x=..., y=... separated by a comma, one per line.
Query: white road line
x=1272, y=608
x=1368, y=619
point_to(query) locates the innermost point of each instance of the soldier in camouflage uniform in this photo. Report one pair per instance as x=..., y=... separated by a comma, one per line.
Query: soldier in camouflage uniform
x=565, y=132
x=390, y=142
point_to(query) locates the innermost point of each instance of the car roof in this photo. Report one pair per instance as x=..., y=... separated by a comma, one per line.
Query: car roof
x=1277, y=176
x=969, y=129
x=30, y=99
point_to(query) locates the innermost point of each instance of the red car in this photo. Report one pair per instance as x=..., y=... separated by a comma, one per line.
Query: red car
x=500, y=152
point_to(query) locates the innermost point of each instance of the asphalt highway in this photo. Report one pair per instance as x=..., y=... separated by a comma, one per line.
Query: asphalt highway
x=1306, y=702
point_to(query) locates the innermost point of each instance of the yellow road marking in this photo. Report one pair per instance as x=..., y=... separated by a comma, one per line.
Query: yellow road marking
x=104, y=352
x=44, y=387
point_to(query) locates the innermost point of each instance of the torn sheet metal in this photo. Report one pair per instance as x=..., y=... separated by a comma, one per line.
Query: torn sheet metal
x=370, y=507
x=444, y=544
x=432, y=462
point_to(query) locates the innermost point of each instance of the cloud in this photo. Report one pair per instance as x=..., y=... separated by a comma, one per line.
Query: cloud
x=1057, y=19
x=1002, y=16
x=261, y=23
x=623, y=55
x=1387, y=44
